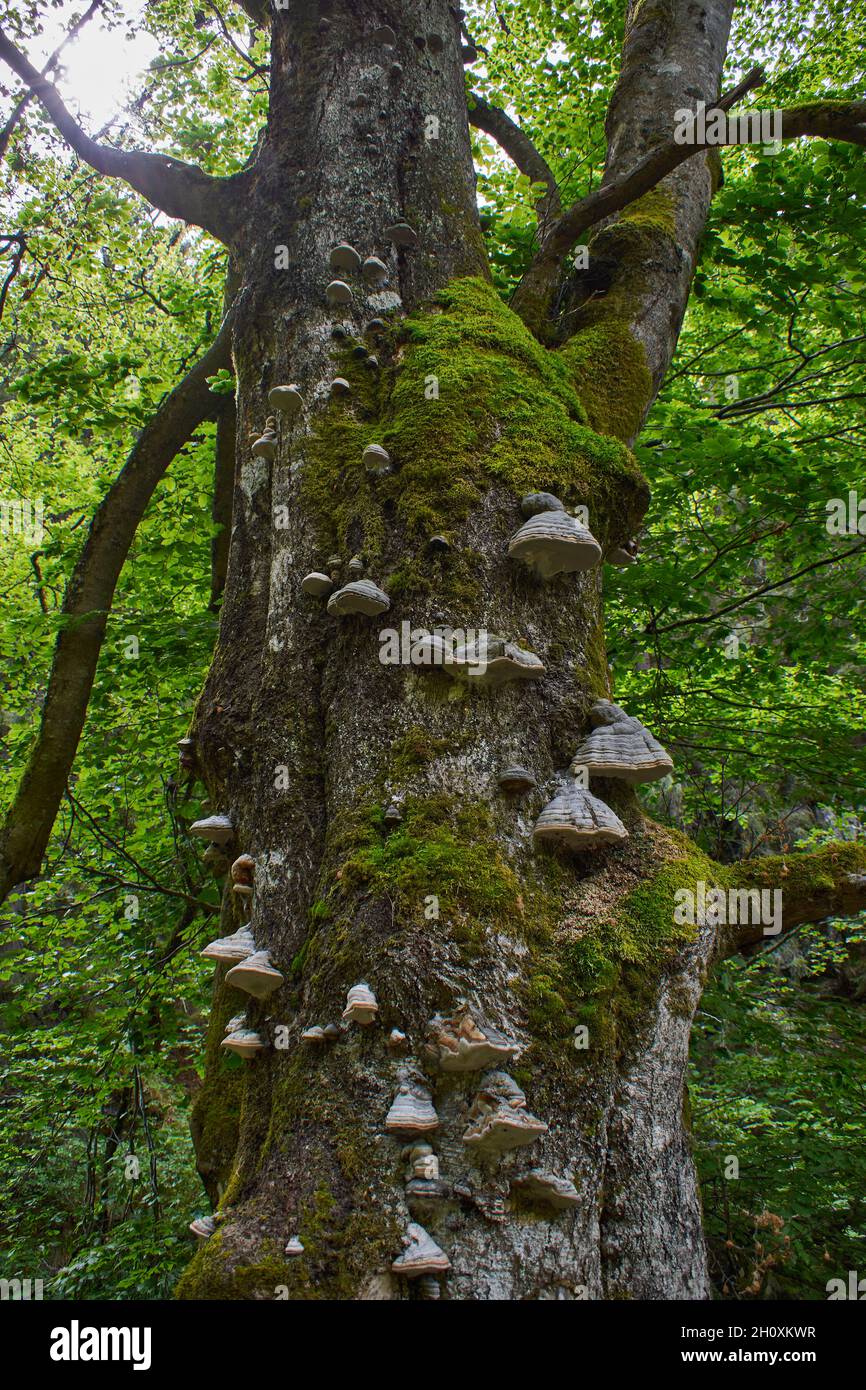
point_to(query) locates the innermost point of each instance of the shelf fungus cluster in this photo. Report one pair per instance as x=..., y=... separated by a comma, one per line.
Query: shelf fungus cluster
x=498, y=1119
x=361, y=1006
x=619, y=746
x=552, y=541
x=265, y=446
x=487, y=661
x=461, y=1044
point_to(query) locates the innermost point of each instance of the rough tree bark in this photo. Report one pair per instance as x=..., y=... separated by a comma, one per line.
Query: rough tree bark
x=303, y=736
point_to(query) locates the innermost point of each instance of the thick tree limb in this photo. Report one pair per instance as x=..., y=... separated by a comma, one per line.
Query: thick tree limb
x=520, y=149
x=86, y=608
x=844, y=120
x=177, y=189
x=21, y=106
x=831, y=882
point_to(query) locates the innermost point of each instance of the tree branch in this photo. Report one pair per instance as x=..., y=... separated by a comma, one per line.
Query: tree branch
x=177, y=189
x=21, y=106
x=86, y=608
x=520, y=149
x=842, y=120
x=830, y=882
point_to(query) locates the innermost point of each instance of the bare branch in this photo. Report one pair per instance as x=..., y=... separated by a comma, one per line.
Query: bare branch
x=177, y=189
x=86, y=608
x=519, y=148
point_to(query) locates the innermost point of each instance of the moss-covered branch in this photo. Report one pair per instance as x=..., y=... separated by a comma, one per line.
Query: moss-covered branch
x=830, y=882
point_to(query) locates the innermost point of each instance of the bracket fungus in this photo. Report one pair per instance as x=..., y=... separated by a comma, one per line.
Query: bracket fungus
x=287, y=399
x=624, y=554
x=338, y=292
x=203, y=1227
x=218, y=829
x=619, y=746
x=580, y=820
x=361, y=596
x=536, y=502
x=412, y=1110
x=317, y=584
x=384, y=35
x=553, y=543
x=438, y=545
x=498, y=1119
x=314, y=1035
x=469, y=53
x=256, y=975
x=540, y=1186
x=216, y=860
x=397, y=1041
x=375, y=328
x=376, y=460
x=375, y=272
x=243, y=868
x=490, y=661
x=294, y=1246
x=401, y=234
x=245, y=1043
x=345, y=257
x=421, y=1255
x=460, y=1043
x=234, y=1024
x=265, y=446
x=423, y=1163
x=341, y=387
x=393, y=813
x=234, y=948
x=361, y=1006
x=515, y=780
x=186, y=753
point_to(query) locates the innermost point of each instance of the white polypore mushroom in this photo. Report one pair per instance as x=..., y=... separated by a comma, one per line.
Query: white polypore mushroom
x=338, y=292
x=375, y=272
x=287, y=399
x=218, y=829
x=345, y=257
x=376, y=459
x=317, y=584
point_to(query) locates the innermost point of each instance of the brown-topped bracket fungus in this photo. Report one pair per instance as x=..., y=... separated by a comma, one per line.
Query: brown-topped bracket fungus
x=540, y=1186
x=375, y=328
x=218, y=829
x=243, y=868
x=499, y=1120
x=489, y=661
x=553, y=543
x=623, y=554
x=421, y=1255
x=438, y=545
x=412, y=1110
x=422, y=1162
x=355, y=567
x=333, y=1032
x=314, y=1035
x=186, y=753
x=579, y=820
x=384, y=35
x=256, y=975
x=536, y=502
x=397, y=1041
x=401, y=234
x=234, y=1024
x=245, y=1042
x=515, y=780
x=375, y=273
x=294, y=1246
x=338, y=292
x=619, y=746
x=376, y=460
x=361, y=1006
x=469, y=53
x=460, y=1043
x=234, y=948
x=316, y=584
x=265, y=446
x=203, y=1227
x=361, y=596
x=344, y=257
x=287, y=400
x=340, y=386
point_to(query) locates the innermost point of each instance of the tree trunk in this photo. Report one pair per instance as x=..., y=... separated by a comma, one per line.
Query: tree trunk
x=304, y=737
